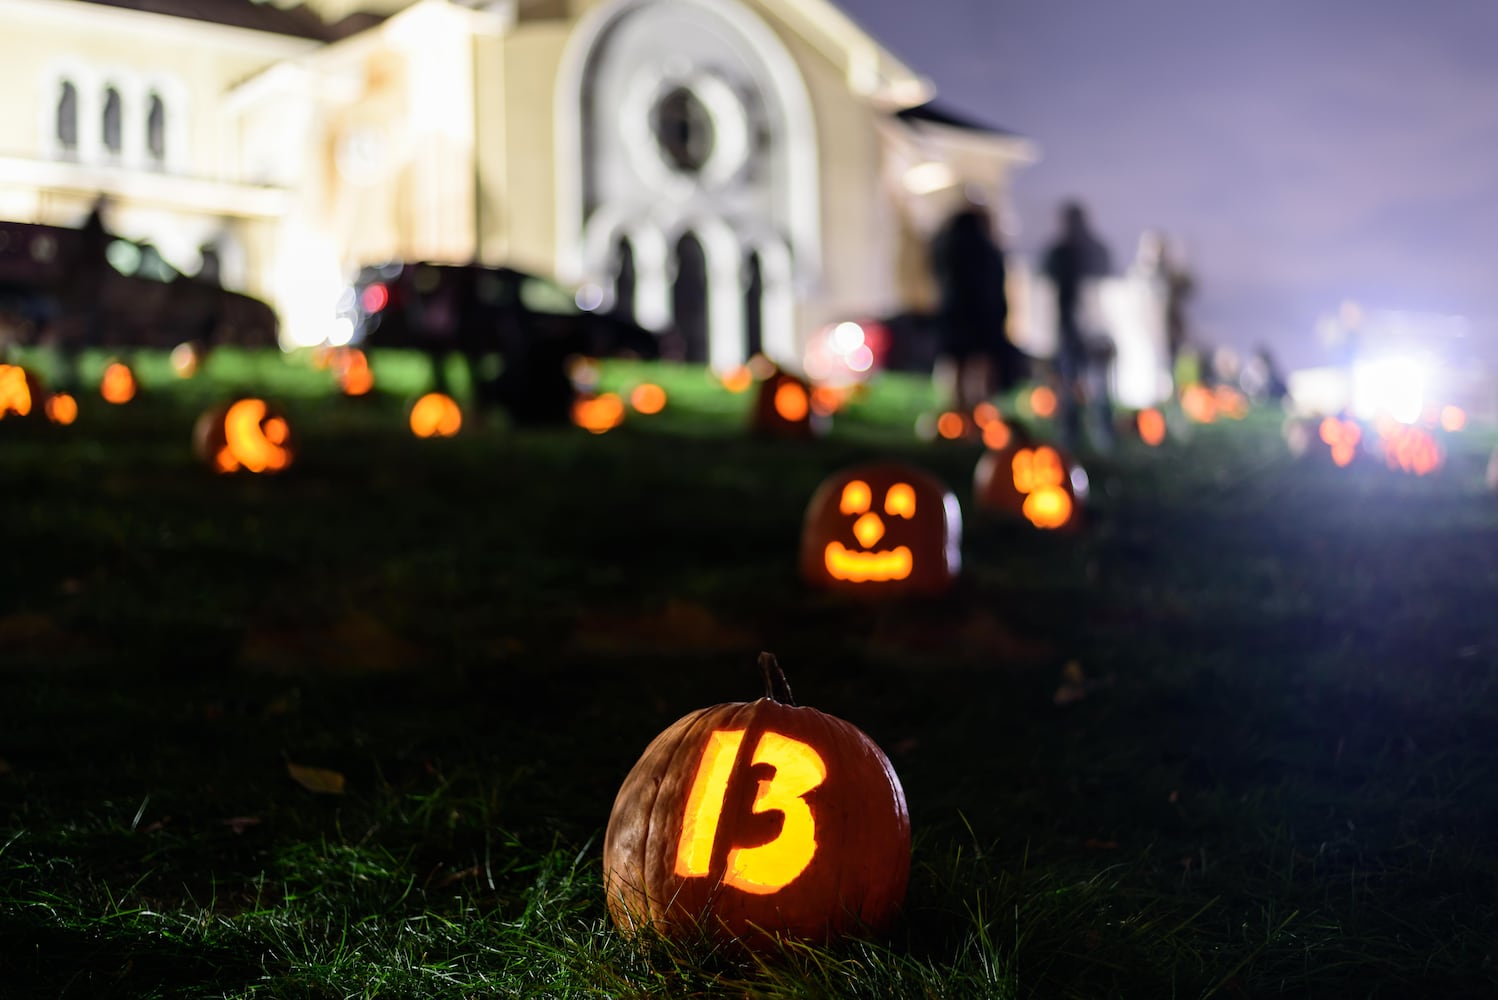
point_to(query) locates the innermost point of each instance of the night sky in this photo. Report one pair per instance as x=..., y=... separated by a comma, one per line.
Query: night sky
x=1306, y=152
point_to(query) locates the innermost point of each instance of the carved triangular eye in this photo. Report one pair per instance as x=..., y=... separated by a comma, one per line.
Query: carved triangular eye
x=900, y=501
x=856, y=497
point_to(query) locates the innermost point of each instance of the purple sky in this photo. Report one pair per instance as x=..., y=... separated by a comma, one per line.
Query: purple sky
x=1306, y=151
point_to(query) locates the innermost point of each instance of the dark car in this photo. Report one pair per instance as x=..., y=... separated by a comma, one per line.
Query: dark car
x=133, y=299
x=459, y=306
x=517, y=330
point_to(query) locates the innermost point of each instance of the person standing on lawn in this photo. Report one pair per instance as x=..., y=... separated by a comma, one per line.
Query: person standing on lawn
x=1074, y=263
x=975, y=354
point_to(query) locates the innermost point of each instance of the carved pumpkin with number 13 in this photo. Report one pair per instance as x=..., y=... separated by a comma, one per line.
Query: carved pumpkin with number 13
x=758, y=819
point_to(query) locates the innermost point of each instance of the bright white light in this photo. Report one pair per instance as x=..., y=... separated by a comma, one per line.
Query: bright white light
x=341, y=331
x=861, y=358
x=847, y=337
x=589, y=297
x=1392, y=386
x=925, y=178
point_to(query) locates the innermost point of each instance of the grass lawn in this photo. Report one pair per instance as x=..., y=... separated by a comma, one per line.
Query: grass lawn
x=1283, y=778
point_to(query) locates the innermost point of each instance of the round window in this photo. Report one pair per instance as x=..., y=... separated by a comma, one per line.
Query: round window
x=683, y=128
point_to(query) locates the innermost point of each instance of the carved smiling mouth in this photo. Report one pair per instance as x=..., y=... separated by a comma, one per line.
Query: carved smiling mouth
x=859, y=567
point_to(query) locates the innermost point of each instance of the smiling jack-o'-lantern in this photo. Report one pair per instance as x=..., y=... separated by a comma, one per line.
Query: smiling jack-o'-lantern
x=246, y=435
x=1033, y=481
x=882, y=529
x=758, y=820
x=783, y=409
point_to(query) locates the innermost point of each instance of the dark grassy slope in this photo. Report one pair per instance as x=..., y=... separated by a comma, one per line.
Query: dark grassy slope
x=1283, y=778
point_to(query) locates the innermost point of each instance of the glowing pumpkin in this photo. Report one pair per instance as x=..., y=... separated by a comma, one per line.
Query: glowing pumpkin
x=783, y=409
x=882, y=530
x=246, y=435
x=352, y=369
x=21, y=392
x=648, y=398
x=1043, y=402
x=1334, y=439
x=61, y=409
x=1229, y=402
x=738, y=379
x=1453, y=418
x=758, y=820
x=1036, y=482
x=118, y=384
x=1199, y=403
x=436, y=415
x=1149, y=425
x=598, y=414
x=1412, y=449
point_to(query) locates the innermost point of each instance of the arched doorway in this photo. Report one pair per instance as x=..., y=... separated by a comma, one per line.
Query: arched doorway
x=689, y=305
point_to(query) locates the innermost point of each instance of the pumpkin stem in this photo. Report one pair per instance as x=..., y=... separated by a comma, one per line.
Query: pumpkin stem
x=777, y=688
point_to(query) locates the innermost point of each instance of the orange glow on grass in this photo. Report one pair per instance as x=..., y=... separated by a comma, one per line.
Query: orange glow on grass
x=1342, y=437
x=791, y=402
x=436, y=415
x=354, y=375
x=648, y=398
x=1043, y=401
x=738, y=379
x=950, y=425
x=1453, y=419
x=985, y=413
x=600, y=414
x=1198, y=403
x=118, y=384
x=1151, y=426
x=62, y=409
x=996, y=435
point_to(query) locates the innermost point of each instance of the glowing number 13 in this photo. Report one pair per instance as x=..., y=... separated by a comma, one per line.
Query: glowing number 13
x=769, y=867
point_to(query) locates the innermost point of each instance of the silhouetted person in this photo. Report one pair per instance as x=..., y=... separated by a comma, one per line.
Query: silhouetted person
x=1262, y=377
x=975, y=354
x=1073, y=262
x=86, y=270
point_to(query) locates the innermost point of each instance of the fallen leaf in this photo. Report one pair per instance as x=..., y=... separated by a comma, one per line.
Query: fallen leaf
x=316, y=779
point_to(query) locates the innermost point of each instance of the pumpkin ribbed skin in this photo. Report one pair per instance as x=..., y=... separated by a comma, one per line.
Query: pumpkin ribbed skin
x=855, y=878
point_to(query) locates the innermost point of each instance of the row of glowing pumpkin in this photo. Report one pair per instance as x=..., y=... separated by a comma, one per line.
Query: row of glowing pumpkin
x=790, y=407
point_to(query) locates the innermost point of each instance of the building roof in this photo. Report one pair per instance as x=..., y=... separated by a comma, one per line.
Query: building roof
x=298, y=22
x=938, y=114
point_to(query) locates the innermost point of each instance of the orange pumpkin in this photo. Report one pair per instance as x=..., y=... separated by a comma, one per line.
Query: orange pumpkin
x=1149, y=426
x=61, y=409
x=1034, y=481
x=758, y=820
x=783, y=409
x=246, y=435
x=882, y=530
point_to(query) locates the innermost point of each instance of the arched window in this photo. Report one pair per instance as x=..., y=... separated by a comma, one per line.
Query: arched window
x=67, y=118
x=156, y=129
x=113, y=131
